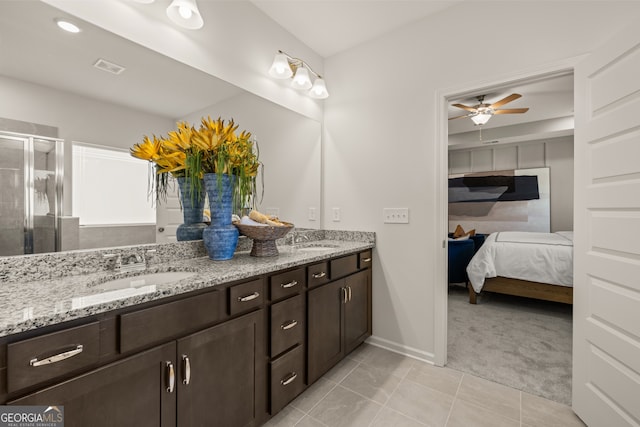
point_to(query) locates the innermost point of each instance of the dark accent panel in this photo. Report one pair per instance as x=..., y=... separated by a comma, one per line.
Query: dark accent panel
x=493, y=188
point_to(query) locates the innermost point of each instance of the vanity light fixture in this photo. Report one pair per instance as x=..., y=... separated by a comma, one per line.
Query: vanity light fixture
x=67, y=25
x=285, y=66
x=186, y=14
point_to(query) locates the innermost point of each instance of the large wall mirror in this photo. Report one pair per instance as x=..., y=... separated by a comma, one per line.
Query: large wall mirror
x=48, y=77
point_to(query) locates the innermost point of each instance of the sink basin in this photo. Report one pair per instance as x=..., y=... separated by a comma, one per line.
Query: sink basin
x=127, y=287
x=151, y=279
x=316, y=248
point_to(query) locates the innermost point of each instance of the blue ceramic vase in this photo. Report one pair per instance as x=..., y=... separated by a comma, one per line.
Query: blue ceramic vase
x=221, y=237
x=192, y=207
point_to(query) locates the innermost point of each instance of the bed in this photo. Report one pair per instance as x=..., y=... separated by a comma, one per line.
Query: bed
x=528, y=264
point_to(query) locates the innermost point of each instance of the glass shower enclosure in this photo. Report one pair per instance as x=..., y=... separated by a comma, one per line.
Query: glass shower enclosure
x=31, y=177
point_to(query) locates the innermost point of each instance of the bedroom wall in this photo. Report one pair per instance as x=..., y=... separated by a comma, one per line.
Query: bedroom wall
x=555, y=153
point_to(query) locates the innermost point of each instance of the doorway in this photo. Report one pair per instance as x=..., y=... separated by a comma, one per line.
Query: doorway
x=465, y=142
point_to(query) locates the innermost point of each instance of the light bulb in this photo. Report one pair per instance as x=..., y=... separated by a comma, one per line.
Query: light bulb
x=301, y=80
x=280, y=68
x=319, y=89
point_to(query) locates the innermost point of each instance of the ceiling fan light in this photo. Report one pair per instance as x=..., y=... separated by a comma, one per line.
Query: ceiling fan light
x=319, y=89
x=480, y=119
x=185, y=13
x=280, y=68
x=301, y=80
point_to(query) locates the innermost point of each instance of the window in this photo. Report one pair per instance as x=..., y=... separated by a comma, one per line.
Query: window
x=110, y=187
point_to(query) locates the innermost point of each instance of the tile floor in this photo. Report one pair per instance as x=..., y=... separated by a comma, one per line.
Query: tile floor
x=375, y=387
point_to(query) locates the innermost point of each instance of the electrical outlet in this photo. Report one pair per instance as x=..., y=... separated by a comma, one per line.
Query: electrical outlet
x=272, y=212
x=312, y=214
x=336, y=214
x=395, y=215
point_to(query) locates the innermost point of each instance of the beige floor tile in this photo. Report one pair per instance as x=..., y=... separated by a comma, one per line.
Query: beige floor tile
x=341, y=370
x=360, y=352
x=308, y=421
x=494, y=397
x=386, y=360
x=465, y=414
x=390, y=418
x=371, y=382
x=287, y=417
x=537, y=411
x=421, y=403
x=342, y=407
x=313, y=395
x=442, y=379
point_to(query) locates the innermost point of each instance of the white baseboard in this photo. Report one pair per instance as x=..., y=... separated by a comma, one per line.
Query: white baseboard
x=401, y=349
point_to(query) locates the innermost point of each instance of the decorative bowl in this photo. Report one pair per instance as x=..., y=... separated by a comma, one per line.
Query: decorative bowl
x=264, y=237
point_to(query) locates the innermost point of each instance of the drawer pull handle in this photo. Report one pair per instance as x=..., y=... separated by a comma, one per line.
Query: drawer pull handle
x=57, y=357
x=289, y=285
x=249, y=297
x=289, y=379
x=366, y=260
x=349, y=291
x=289, y=325
x=187, y=370
x=172, y=377
x=319, y=275
x=345, y=295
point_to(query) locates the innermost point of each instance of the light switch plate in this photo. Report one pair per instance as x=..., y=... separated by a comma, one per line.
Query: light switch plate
x=336, y=214
x=395, y=215
x=312, y=214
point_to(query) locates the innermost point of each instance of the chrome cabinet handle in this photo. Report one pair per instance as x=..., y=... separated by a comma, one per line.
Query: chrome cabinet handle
x=319, y=275
x=289, y=379
x=349, y=288
x=56, y=357
x=344, y=295
x=289, y=285
x=366, y=260
x=187, y=370
x=289, y=325
x=172, y=377
x=249, y=297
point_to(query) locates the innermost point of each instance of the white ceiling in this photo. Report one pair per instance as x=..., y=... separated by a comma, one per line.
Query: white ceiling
x=331, y=26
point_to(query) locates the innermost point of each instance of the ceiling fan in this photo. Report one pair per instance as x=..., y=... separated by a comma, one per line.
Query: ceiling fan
x=481, y=113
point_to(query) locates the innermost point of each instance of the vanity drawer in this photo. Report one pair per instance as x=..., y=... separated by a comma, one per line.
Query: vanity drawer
x=344, y=266
x=364, y=259
x=156, y=324
x=287, y=324
x=43, y=358
x=287, y=378
x=246, y=296
x=286, y=284
x=317, y=274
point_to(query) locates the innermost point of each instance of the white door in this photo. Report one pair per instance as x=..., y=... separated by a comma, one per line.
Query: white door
x=168, y=216
x=606, y=334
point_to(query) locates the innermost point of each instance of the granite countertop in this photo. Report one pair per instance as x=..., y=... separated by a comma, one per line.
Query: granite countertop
x=32, y=304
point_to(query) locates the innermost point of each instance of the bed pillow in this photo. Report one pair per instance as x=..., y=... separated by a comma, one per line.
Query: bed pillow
x=459, y=232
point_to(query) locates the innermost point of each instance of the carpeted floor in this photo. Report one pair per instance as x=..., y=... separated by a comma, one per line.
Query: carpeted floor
x=519, y=342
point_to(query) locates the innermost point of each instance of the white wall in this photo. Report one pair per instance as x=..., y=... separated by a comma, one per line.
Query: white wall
x=556, y=154
x=380, y=132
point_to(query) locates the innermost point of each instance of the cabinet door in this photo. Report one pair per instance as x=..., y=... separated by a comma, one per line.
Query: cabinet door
x=325, y=322
x=221, y=377
x=357, y=315
x=131, y=392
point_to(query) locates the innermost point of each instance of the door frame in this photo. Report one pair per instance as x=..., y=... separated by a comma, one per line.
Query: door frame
x=441, y=167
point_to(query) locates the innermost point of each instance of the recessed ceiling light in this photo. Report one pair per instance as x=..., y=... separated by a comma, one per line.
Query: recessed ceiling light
x=67, y=26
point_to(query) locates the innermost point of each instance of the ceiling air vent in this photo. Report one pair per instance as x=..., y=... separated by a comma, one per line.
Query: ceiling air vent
x=495, y=141
x=109, y=67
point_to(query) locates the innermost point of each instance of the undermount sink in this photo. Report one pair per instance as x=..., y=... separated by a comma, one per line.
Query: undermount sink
x=127, y=287
x=151, y=279
x=316, y=248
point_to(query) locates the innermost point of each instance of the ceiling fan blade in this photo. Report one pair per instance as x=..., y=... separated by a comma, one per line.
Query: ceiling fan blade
x=458, y=117
x=511, y=111
x=464, y=107
x=503, y=101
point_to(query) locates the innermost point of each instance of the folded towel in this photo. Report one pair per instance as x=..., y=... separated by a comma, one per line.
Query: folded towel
x=248, y=221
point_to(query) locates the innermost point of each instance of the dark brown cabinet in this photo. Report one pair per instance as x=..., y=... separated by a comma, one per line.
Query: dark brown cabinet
x=131, y=392
x=339, y=319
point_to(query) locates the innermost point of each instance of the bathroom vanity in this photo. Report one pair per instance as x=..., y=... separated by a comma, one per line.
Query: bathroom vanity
x=230, y=344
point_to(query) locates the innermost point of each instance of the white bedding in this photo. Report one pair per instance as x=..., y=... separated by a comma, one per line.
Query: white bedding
x=536, y=257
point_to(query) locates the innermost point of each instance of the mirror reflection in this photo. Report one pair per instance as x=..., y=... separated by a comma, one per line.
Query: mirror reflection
x=97, y=89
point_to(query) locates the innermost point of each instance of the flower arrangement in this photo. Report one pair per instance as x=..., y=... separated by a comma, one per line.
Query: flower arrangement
x=214, y=147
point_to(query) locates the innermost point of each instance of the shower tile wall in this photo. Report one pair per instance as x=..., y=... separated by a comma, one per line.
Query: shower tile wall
x=11, y=202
